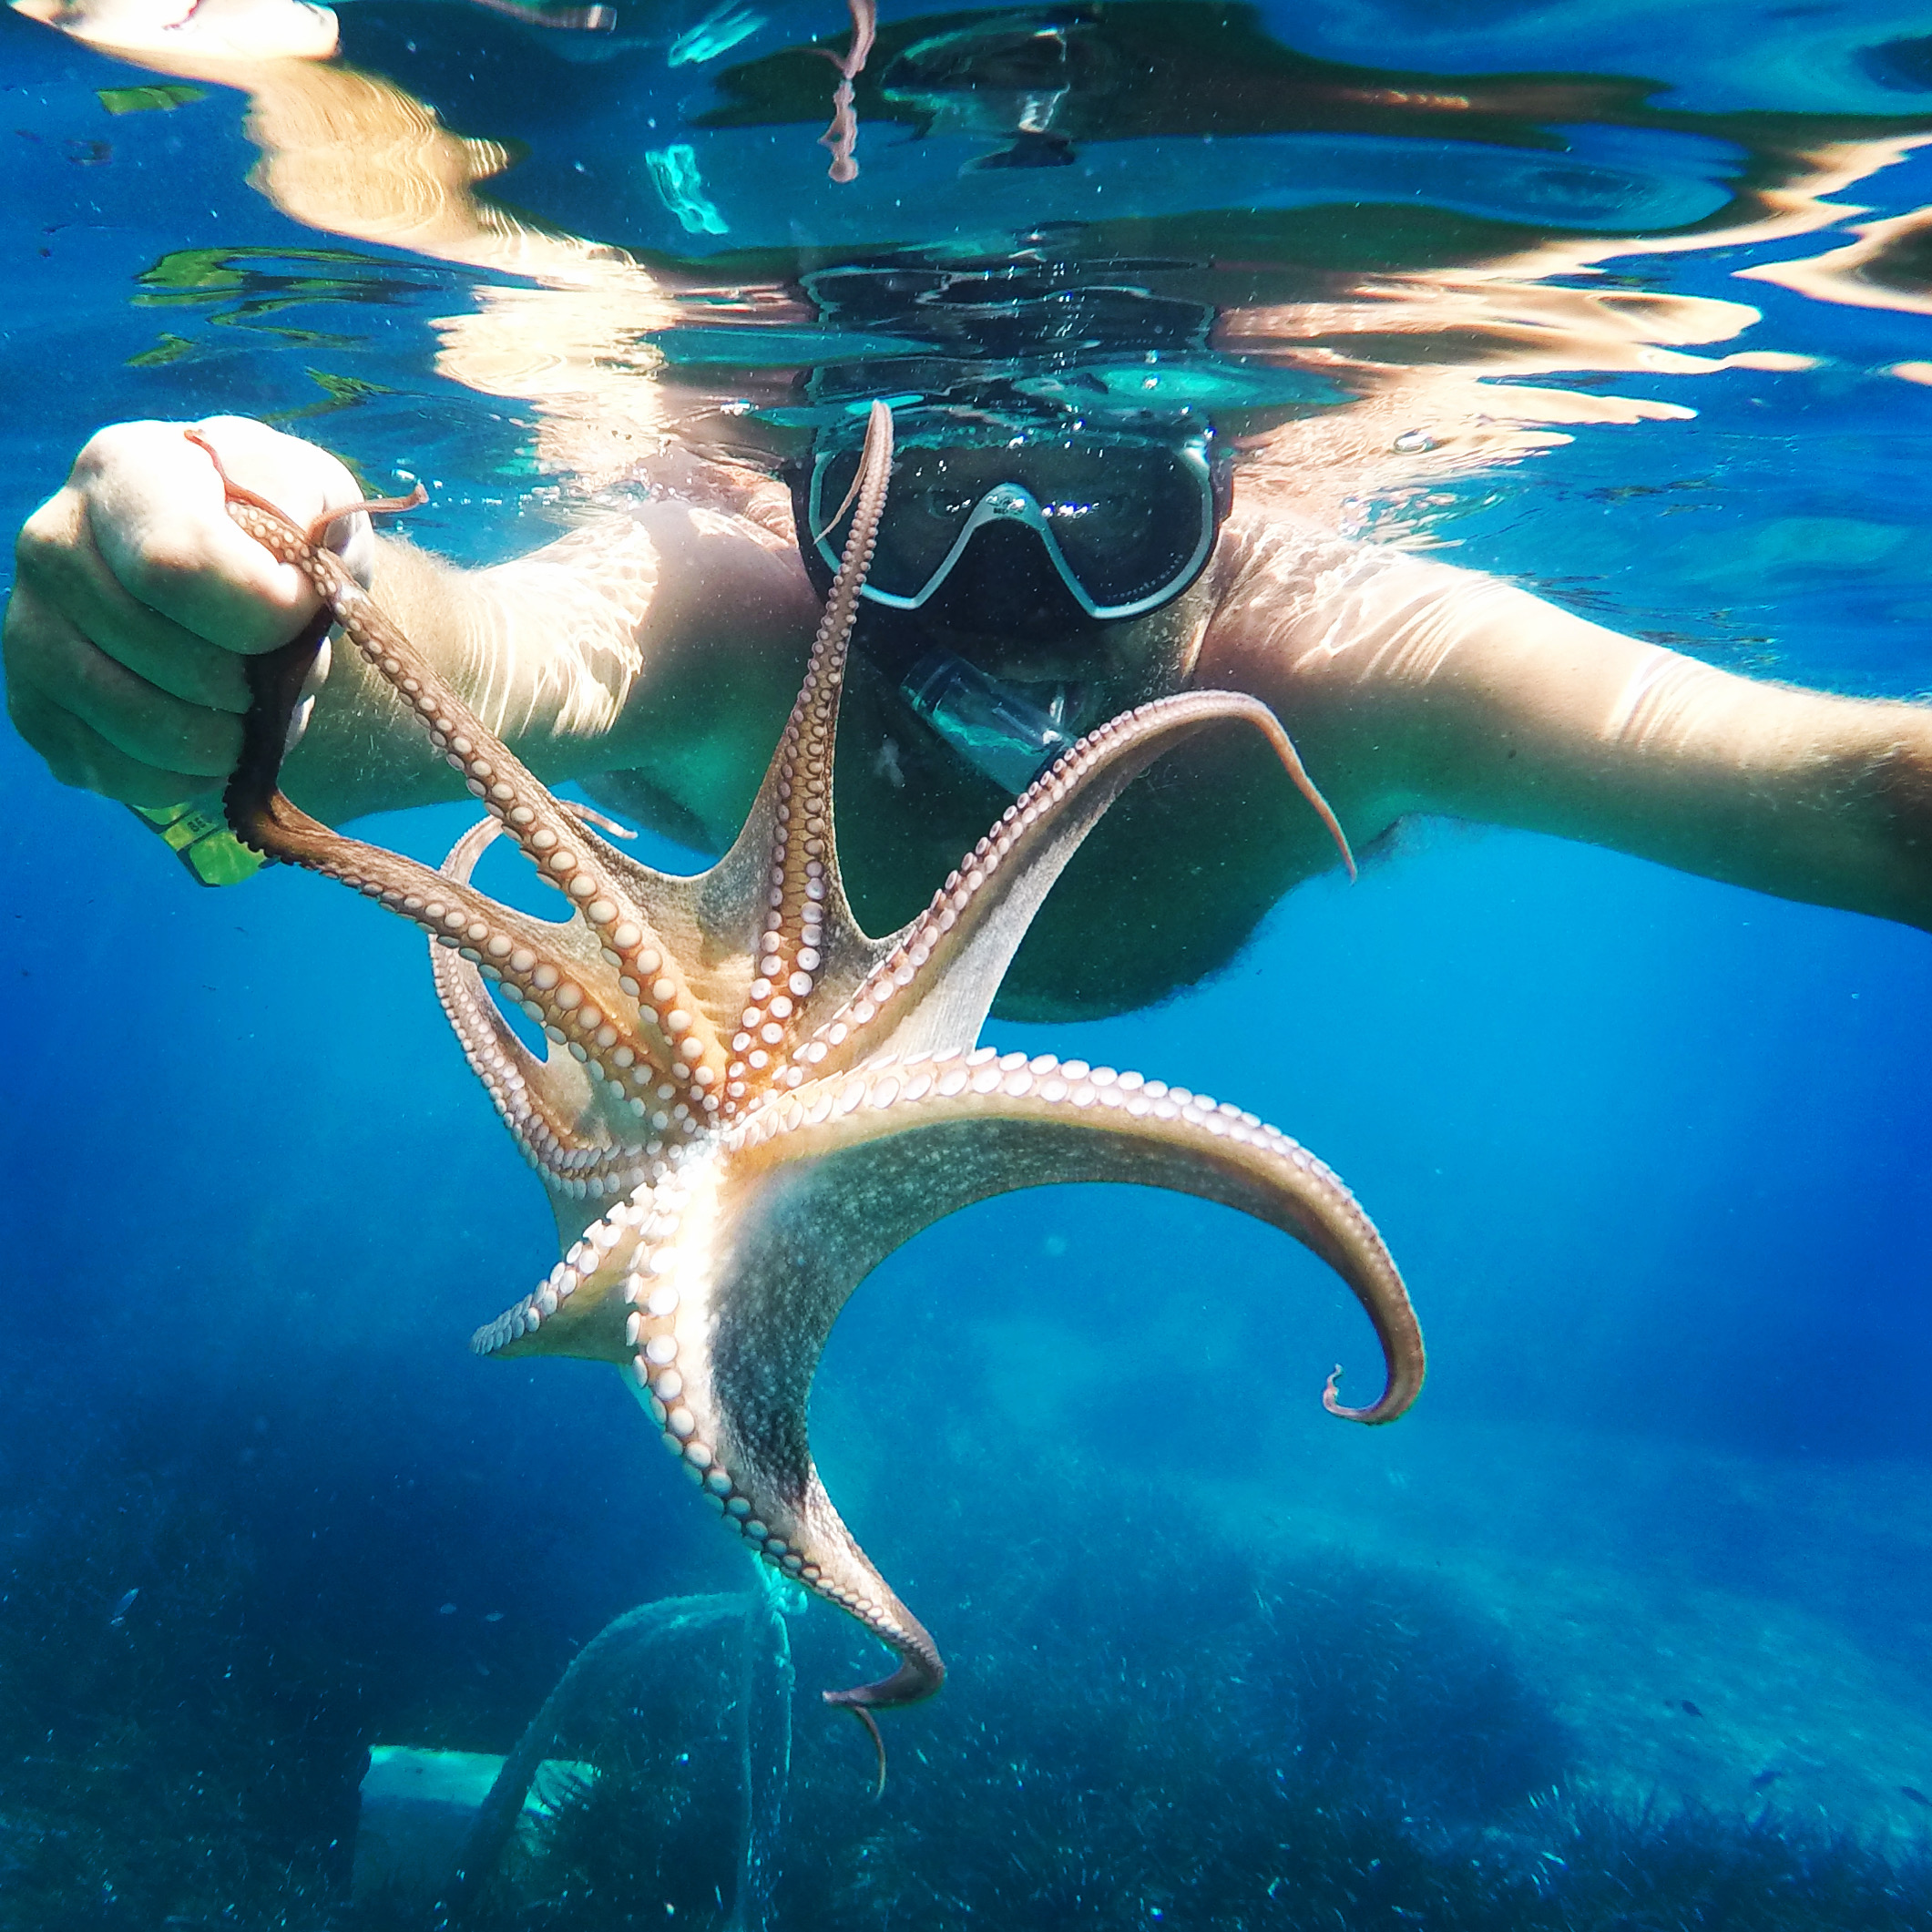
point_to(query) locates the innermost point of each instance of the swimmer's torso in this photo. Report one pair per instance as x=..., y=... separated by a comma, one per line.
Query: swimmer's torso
x=1165, y=890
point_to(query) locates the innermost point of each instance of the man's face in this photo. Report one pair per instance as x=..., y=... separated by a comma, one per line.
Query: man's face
x=1027, y=641
x=1125, y=516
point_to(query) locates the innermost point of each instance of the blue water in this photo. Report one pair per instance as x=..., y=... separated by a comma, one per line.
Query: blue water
x=1651, y=1149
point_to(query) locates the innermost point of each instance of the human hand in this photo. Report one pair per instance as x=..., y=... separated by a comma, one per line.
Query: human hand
x=136, y=598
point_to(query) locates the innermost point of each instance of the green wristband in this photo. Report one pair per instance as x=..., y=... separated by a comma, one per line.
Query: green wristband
x=198, y=834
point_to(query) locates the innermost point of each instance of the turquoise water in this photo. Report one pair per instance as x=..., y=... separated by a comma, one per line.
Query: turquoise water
x=1625, y=1624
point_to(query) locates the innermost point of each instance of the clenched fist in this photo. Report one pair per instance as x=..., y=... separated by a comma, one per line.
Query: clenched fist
x=136, y=598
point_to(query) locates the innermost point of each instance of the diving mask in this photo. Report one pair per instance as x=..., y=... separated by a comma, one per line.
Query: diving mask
x=1126, y=523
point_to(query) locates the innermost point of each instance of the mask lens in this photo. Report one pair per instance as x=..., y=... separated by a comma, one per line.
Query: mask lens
x=1130, y=520
x=1133, y=522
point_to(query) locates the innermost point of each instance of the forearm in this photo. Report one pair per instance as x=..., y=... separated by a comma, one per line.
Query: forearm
x=1414, y=686
x=547, y=650
x=1561, y=726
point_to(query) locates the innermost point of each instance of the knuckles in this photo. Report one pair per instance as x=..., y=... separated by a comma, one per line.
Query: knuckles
x=46, y=537
x=162, y=564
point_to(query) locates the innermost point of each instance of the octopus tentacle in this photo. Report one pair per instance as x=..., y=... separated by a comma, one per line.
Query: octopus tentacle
x=451, y=913
x=935, y=982
x=319, y=526
x=581, y=1148
x=567, y=855
x=808, y=921
x=721, y=1285
x=1032, y=1122
x=550, y=969
x=630, y=1291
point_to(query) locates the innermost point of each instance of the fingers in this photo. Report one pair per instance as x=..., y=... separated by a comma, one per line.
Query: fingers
x=132, y=714
x=78, y=755
x=68, y=585
x=137, y=599
x=155, y=515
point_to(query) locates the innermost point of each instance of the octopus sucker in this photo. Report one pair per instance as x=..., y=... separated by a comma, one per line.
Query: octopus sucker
x=746, y=1103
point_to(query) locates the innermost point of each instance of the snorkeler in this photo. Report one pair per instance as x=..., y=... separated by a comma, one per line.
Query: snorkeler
x=1049, y=558
x=1030, y=581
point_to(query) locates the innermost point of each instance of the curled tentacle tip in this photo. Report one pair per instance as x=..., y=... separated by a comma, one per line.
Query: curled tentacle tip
x=1292, y=762
x=1333, y=825
x=1334, y=1404
x=1393, y=1402
x=318, y=531
x=839, y=1700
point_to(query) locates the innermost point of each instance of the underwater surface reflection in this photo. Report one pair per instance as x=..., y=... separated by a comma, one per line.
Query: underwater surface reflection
x=1626, y=1623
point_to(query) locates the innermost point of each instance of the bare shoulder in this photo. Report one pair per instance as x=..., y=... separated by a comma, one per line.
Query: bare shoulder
x=1289, y=592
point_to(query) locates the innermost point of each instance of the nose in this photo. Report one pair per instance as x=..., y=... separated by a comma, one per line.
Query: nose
x=1006, y=583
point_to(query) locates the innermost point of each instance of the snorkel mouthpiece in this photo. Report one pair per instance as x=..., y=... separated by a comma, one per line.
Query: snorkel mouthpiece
x=1001, y=734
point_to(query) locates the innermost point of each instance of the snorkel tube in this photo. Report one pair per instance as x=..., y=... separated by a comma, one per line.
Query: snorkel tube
x=1001, y=733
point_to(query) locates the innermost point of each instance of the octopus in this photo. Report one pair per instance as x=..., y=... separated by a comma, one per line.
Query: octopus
x=843, y=136
x=745, y=1103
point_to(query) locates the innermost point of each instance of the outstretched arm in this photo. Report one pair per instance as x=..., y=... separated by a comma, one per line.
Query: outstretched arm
x=1411, y=686
x=635, y=642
